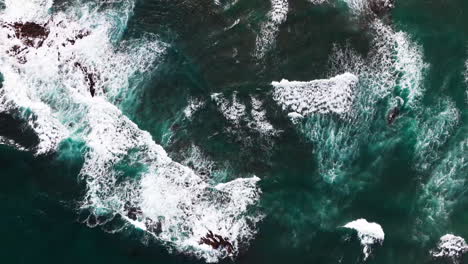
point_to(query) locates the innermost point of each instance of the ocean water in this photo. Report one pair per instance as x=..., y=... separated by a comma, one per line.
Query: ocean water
x=308, y=131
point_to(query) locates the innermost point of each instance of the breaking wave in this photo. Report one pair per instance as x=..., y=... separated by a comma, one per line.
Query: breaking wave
x=334, y=95
x=390, y=74
x=444, y=187
x=451, y=247
x=69, y=73
x=369, y=234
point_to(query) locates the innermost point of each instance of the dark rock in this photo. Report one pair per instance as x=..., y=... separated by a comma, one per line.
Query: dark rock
x=132, y=212
x=90, y=78
x=30, y=33
x=18, y=52
x=217, y=242
x=15, y=50
x=175, y=127
x=393, y=115
x=81, y=34
x=92, y=221
x=152, y=226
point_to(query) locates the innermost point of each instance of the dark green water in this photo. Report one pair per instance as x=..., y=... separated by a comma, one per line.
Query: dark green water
x=386, y=176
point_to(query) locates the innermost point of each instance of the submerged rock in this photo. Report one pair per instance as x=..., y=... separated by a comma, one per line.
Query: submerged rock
x=81, y=34
x=393, y=115
x=154, y=227
x=90, y=77
x=133, y=212
x=395, y=112
x=217, y=242
x=381, y=7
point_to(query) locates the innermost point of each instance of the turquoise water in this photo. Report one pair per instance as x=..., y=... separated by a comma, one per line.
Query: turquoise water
x=69, y=174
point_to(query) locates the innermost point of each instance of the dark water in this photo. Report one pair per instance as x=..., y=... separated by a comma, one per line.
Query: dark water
x=39, y=195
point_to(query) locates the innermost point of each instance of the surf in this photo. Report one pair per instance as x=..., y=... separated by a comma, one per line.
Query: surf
x=70, y=85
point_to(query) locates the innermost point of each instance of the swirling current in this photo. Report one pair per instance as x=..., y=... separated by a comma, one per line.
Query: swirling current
x=233, y=131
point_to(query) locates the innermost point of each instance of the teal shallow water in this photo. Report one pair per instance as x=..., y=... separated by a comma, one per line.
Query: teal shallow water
x=384, y=181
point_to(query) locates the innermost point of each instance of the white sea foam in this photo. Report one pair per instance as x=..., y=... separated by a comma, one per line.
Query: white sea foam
x=435, y=128
x=27, y=10
x=17, y=96
x=226, y=4
x=361, y=7
x=450, y=246
x=397, y=55
x=269, y=29
x=235, y=111
x=45, y=83
x=193, y=106
x=195, y=159
x=335, y=147
x=465, y=75
x=444, y=187
x=317, y=2
x=233, y=24
x=393, y=53
x=368, y=233
x=357, y=6
x=11, y=143
x=232, y=109
x=259, y=120
x=393, y=69
x=409, y=62
x=334, y=95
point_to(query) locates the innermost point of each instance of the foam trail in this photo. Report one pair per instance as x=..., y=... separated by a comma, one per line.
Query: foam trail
x=393, y=68
x=269, y=29
x=235, y=112
x=434, y=130
x=465, y=75
x=440, y=193
x=68, y=80
x=193, y=106
x=335, y=148
x=259, y=120
x=368, y=233
x=195, y=159
x=466, y=71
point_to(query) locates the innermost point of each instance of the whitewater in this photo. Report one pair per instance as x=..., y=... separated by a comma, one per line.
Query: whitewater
x=67, y=82
x=247, y=129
